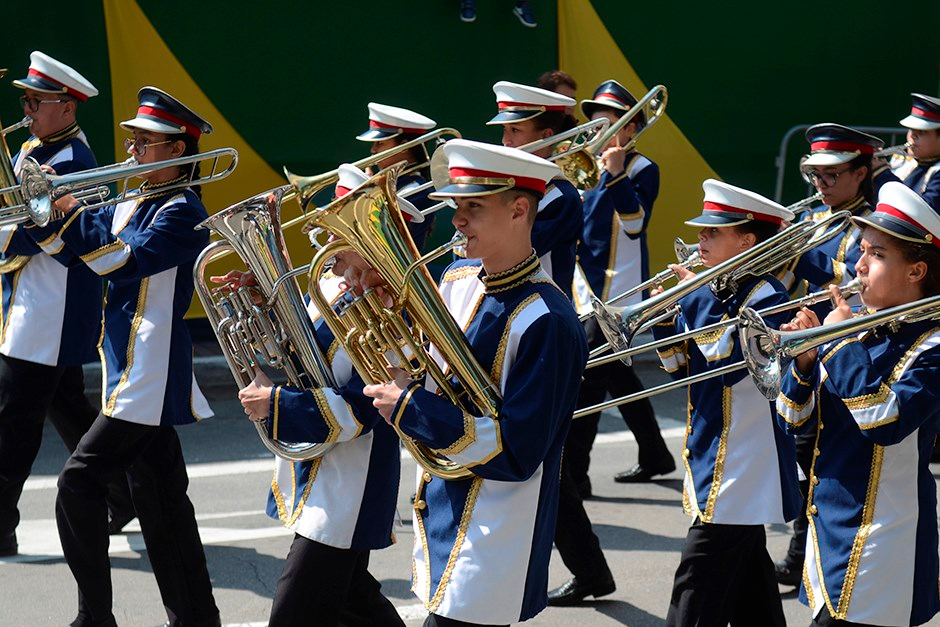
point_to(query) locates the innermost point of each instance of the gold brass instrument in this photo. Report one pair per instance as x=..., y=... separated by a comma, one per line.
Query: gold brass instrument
x=767, y=352
x=853, y=287
x=40, y=190
x=687, y=257
x=621, y=324
x=806, y=203
x=570, y=151
x=580, y=161
x=11, y=197
x=279, y=329
x=368, y=221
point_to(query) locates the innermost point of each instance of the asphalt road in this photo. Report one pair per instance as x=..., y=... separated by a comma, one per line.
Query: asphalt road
x=641, y=527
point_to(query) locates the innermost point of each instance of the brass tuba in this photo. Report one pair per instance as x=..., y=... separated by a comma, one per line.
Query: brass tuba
x=279, y=329
x=369, y=221
x=12, y=197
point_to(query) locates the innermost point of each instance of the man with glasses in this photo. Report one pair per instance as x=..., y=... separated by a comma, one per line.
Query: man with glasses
x=839, y=166
x=51, y=307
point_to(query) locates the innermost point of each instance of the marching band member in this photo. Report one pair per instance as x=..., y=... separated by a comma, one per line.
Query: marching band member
x=739, y=462
x=341, y=505
x=393, y=126
x=839, y=166
x=528, y=114
x=919, y=167
x=146, y=250
x=559, y=82
x=482, y=544
x=871, y=557
x=51, y=307
x=613, y=257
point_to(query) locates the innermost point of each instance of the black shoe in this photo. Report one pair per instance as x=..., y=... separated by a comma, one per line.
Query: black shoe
x=572, y=592
x=8, y=546
x=584, y=489
x=788, y=575
x=641, y=474
x=119, y=521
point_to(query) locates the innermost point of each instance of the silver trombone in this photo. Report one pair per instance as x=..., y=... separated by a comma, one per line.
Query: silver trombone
x=767, y=351
x=40, y=190
x=894, y=151
x=853, y=287
x=620, y=324
x=26, y=121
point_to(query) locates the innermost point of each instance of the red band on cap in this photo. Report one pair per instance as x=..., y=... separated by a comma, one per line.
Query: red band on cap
x=900, y=215
x=526, y=182
x=924, y=113
x=189, y=129
x=401, y=129
x=842, y=147
x=523, y=105
x=72, y=92
x=613, y=96
x=763, y=217
x=342, y=191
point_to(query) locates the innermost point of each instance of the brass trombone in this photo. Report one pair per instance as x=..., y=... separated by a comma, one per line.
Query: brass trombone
x=38, y=190
x=853, y=287
x=621, y=324
x=767, y=351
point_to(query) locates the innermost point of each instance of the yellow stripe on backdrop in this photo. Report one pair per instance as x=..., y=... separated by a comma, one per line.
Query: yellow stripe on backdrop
x=139, y=57
x=587, y=51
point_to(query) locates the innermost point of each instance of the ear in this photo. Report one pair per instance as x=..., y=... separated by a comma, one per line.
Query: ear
x=747, y=240
x=545, y=133
x=178, y=148
x=917, y=272
x=520, y=207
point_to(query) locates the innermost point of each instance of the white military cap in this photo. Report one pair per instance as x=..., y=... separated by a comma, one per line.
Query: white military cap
x=478, y=169
x=54, y=77
x=386, y=122
x=518, y=103
x=925, y=113
x=903, y=213
x=727, y=205
x=351, y=177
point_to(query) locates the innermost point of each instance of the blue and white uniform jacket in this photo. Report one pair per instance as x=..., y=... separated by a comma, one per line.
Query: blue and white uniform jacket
x=740, y=464
x=832, y=262
x=921, y=176
x=873, y=403
x=419, y=230
x=482, y=544
x=52, y=305
x=345, y=498
x=557, y=230
x=146, y=250
x=613, y=254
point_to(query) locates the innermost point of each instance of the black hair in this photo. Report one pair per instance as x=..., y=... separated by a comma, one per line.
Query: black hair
x=414, y=154
x=639, y=119
x=558, y=121
x=866, y=188
x=762, y=229
x=191, y=144
x=533, y=197
x=551, y=80
x=929, y=254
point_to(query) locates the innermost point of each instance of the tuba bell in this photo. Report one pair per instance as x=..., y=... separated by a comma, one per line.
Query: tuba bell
x=279, y=329
x=374, y=334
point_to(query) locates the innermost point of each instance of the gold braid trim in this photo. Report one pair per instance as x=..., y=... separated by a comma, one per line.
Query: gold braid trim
x=468, y=508
x=720, y=455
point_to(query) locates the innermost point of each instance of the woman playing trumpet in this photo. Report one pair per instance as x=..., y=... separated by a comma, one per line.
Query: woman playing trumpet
x=871, y=554
x=739, y=464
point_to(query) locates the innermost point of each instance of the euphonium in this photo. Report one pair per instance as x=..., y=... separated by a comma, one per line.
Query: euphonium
x=279, y=328
x=368, y=221
x=12, y=198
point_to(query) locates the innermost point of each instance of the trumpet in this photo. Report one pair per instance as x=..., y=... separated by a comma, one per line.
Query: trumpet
x=767, y=352
x=39, y=191
x=852, y=287
x=621, y=324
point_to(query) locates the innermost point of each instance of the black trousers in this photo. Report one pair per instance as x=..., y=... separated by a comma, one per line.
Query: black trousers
x=156, y=471
x=618, y=379
x=725, y=576
x=575, y=539
x=28, y=393
x=327, y=586
x=433, y=620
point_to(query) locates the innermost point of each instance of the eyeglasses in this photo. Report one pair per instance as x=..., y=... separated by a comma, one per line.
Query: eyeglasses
x=32, y=104
x=827, y=180
x=140, y=147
